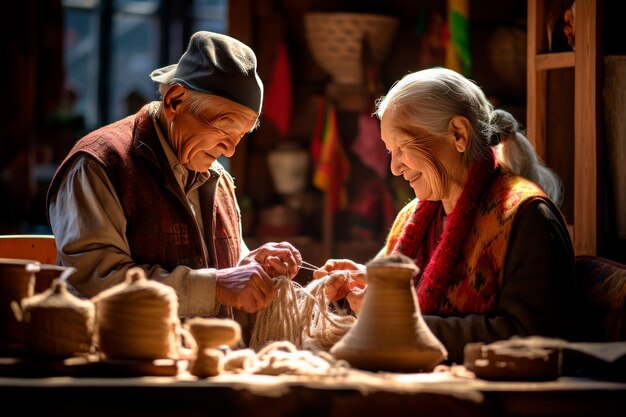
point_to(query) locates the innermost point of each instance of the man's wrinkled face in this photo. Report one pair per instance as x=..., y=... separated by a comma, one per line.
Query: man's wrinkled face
x=199, y=141
x=200, y=138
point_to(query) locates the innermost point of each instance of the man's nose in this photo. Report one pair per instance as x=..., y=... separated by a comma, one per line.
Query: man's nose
x=229, y=148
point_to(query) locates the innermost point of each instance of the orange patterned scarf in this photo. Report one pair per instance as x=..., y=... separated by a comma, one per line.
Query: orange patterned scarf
x=465, y=271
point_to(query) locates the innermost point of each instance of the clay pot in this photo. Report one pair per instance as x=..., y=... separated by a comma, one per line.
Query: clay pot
x=17, y=281
x=390, y=333
x=46, y=275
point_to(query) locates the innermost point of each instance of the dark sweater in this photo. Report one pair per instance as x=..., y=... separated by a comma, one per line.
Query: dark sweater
x=538, y=292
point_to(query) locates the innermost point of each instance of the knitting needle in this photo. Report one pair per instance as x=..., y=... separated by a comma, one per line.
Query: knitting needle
x=305, y=265
x=309, y=266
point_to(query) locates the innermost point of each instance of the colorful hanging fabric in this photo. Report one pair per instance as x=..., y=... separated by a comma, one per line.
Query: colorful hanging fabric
x=458, y=54
x=278, y=101
x=369, y=147
x=316, y=140
x=332, y=167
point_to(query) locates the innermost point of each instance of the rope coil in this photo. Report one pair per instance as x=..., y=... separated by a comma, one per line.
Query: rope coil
x=138, y=319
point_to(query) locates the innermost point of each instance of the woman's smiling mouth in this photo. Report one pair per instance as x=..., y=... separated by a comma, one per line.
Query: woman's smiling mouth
x=412, y=179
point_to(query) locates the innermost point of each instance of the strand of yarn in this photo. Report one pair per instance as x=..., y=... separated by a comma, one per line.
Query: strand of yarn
x=138, y=319
x=300, y=315
x=326, y=327
x=283, y=358
x=281, y=320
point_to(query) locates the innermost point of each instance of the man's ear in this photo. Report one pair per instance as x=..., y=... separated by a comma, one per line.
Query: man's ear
x=172, y=100
x=460, y=127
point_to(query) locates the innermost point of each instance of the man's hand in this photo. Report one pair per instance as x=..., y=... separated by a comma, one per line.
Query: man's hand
x=276, y=258
x=246, y=287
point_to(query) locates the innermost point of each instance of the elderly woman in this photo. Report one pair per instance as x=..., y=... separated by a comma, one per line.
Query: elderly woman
x=485, y=230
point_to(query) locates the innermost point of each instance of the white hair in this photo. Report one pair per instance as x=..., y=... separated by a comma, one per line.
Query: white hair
x=202, y=103
x=430, y=98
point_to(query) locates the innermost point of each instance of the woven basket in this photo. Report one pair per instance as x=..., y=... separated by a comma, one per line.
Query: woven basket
x=336, y=42
x=137, y=319
x=56, y=323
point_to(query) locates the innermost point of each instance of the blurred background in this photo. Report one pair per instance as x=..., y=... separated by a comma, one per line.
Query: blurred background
x=71, y=66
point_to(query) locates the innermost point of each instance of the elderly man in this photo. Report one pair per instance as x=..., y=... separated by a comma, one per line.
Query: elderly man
x=148, y=190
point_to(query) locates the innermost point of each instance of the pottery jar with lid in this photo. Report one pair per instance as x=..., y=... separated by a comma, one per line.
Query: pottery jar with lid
x=57, y=323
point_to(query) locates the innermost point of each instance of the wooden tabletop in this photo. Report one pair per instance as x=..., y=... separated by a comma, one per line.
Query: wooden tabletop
x=427, y=394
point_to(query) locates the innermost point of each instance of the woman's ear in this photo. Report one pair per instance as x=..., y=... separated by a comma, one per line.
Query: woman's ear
x=172, y=99
x=461, y=129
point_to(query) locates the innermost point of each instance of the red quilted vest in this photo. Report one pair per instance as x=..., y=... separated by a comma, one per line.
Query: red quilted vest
x=161, y=230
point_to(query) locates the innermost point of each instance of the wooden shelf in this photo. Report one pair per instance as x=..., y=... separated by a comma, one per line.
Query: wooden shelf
x=555, y=60
x=584, y=63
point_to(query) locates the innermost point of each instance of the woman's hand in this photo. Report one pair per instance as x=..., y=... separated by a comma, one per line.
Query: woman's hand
x=357, y=271
x=356, y=295
x=346, y=279
x=276, y=259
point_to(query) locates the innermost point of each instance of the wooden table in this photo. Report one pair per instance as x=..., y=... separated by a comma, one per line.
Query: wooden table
x=434, y=394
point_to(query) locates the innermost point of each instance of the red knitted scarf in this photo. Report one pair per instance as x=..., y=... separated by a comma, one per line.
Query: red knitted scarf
x=439, y=274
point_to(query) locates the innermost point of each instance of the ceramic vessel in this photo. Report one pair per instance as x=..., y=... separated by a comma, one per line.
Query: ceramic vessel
x=390, y=333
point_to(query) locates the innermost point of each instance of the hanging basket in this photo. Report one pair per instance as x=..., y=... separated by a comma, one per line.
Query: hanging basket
x=336, y=42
